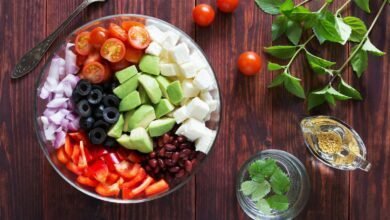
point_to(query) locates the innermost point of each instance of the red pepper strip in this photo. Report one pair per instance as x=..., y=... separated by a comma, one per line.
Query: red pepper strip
x=61, y=155
x=111, y=159
x=72, y=167
x=82, y=160
x=68, y=146
x=87, y=181
x=98, y=170
x=143, y=185
x=156, y=188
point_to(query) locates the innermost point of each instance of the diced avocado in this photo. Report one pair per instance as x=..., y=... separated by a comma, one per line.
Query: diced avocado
x=131, y=101
x=127, y=117
x=175, y=92
x=126, y=74
x=151, y=87
x=143, y=95
x=140, y=140
x=124, y=140
x=150, y=64
x=163, y=108
x=127, y=87
x=116, y=129
x=161, y=126
x=141, y=117
x=163, y=83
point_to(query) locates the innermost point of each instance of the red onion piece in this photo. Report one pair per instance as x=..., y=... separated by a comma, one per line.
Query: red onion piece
x=57, y=102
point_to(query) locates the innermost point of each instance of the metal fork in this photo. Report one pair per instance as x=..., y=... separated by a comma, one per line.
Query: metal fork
x=32, y=58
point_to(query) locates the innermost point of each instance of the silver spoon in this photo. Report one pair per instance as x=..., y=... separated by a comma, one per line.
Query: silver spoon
x=32, y=58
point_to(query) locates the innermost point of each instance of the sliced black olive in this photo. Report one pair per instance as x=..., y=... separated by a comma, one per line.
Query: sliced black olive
x=76, y=97
x=98, y=112
x=98, y=87
x=111, y=101
x=95, y=96
x=110, y=115
x=87, y=123
x=83, y=108
x=101, y=124
x=83, y=87
x=97, y=136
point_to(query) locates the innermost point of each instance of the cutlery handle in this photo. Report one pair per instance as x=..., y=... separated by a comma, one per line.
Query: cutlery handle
x=32, y=58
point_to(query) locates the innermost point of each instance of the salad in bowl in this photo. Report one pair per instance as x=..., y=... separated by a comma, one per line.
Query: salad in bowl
x=127, y=108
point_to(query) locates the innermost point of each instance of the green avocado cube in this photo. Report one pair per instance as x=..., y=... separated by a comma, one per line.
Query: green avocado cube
x=127, y=87
x=163, y=82
x=116, y=130
x=150, y=64
x=131, y=101
x=175, y=92
x=124, y=141
x=163, y=108
x=140, y=140
x=126, y=118
x=143, y=95
x=141, y=117
x=126, y=74
x=151, y=87
x=161, y=126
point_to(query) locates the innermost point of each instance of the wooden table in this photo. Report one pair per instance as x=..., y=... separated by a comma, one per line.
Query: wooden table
x=254, y=118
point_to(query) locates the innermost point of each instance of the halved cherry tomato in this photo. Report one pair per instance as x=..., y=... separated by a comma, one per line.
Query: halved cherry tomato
x=72, y=167
x=113, y=50
x=87, y=181
x=76, y=154
x=249, y=63
x=108, y=190
x=139, y=37
x=68, y=147
x=227, y=6
x=98, y=36
x=126, y=25
x=61, y=155
x=127, y=170
x=133, y=55
x=111, y=159
x=93, y=56
x=119, y=65
x=95, y=72
x=117, y=32
x=143, y=185
x=98, y=170
x=156, y=188
x=82, y=45
x=80, y=60
x=203, y=15
x=141, y=175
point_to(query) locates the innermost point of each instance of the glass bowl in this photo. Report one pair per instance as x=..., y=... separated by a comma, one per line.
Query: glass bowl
x=40, y=104
x=297, y=195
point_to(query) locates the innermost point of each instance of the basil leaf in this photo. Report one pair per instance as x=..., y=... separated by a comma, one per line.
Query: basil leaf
x=359, y=62
x=336, y=94
x=358, y=27
x=263, y=206
x=274, y=66
x=348, y=90
x=282, y=52
x=277, y=81
x=318, y=64
x=279, y=27
x=293, y=85
x=287, y=7
x=278, y=202
x=326, y=29
x=294, y=32
x=344, y=30
x=269, y=6
x=363, y=4
x=369, y=47
x=314, y=100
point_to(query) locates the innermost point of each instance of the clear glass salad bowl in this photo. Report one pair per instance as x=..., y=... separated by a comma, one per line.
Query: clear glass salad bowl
x=40, y=104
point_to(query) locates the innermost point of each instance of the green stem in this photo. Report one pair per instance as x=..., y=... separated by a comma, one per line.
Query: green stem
x=342, y=7
x=302, y=3
x=301, y=47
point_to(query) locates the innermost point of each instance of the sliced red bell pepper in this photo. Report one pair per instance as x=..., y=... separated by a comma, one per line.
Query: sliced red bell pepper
x=134, y=157
x=156, y=188
x=127, y=170
x=87, y=181
x=82, y=159
x=76, y=154
x=111, y=159
x=78, y=136
x=123, y=153
x=112, y=178
x=143, y=185
x=108, y=190
x=72, y=167
x=98, y=170
x=96, y=152
x=141, y=175
x=68, y=146
x=61, y=155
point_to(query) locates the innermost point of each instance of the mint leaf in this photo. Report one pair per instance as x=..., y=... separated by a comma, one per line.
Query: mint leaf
x=280, y=182
x=359, y=62
x=344, y=30
x=270, y=6
x=263, y=206
x=294, y=32
x=358, y=27
x=248, y=187
x=369, y=47
x=336, y=94
x=279, y=27
x=330, y=99
x=318, y=64
x=261, y=191
x=293, y=85
x=278, y=202
x=315, y=100
x=363, y=4
x=326, y=28
x=301, y=13
x=282, y=52
x=278, y=80
x=274, y=66
x=262, y=167
x=348, y=90
x=287, y=7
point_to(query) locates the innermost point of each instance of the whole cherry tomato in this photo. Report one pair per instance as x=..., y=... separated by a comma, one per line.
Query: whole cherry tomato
x=227, y=6
x=203, y=15
x=249, y=63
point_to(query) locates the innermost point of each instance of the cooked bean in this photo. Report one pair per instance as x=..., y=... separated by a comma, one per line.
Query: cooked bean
x=174, y=169
x=188, y=165
x=153, y=163
x=180, y=173
x=170, y=147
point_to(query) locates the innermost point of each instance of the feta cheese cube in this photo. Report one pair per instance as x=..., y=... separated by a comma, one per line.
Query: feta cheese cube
x=205, y=96
x=200, y=63
x=171, y=40
x=189, y=89
x=169, y=69
x=203, y=80
x=156, y=34
x=192, y=129
x=213, y=104
x=154, y=49
x=188, y=70
x=205, y=142
x=181, y=53
x=180, y=114
x=166, y=56
x=198, y=109
x=185, y=101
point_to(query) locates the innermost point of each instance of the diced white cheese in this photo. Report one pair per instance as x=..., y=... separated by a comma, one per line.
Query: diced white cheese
x=189, y=89
x=185, y=101
x=169, y=69
x=166, y=56
x=213, y=104
x=156, y=34
x=180, y=114
x=181, y=53
x=188, y=70
x=205, y=96
x=205, y=142
x=154, y=49
x=203, y=80
x=198, y=109
x=192, y=129
x=171, y=40
x=200, y=63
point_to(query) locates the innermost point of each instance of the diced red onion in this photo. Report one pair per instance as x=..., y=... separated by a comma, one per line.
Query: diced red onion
x=59, y=139
x=44, y=121
x=74, y=125
x=49, y=132
x=49, y=112
x=57, y=102
x=57, y=117
x=44, y=94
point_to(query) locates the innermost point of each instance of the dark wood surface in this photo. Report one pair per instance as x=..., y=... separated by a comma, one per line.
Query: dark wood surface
x=254, y=118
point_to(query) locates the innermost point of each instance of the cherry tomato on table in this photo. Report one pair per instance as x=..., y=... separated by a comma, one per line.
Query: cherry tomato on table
x=98, y=36
x=203, y=15
x=227, y=6
x=113, y=50
x=82, y=45
x=94, y=72
x=249, y=63
x=138, y=37
x=117, y=32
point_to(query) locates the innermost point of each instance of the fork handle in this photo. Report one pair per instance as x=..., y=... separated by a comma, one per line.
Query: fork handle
x=32, y=58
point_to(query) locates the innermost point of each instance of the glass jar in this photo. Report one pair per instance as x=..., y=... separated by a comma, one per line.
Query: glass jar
x=299, y=188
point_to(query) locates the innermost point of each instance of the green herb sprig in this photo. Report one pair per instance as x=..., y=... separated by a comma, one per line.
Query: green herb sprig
x=292, y=20
x=267, y=186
